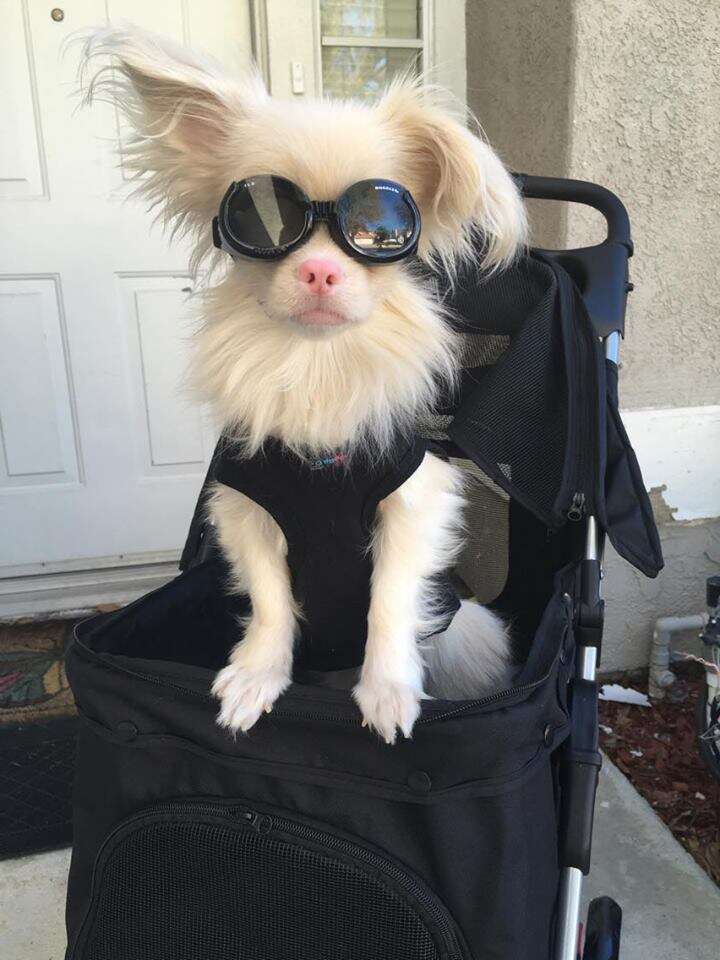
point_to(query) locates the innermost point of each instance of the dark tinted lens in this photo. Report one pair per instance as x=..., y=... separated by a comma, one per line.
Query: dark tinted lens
x=267, y=212
x=376, y=219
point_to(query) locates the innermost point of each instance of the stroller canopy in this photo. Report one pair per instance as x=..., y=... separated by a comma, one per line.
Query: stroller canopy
x=537, y=409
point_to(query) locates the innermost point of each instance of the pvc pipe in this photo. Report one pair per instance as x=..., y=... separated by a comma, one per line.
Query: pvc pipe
x=661, y=676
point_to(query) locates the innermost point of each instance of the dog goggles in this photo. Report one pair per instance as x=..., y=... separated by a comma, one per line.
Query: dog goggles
x=266, y=217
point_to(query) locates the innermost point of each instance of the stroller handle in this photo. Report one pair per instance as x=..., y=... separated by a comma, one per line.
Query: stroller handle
x=600, y=271
x=589, y=194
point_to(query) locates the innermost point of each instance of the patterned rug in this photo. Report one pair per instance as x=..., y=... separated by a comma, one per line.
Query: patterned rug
x=37, y=737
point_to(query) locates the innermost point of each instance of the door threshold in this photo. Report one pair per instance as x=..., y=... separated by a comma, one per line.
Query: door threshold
x=76, y=593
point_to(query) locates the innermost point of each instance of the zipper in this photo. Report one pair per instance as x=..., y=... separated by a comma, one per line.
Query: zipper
x=587, y=434
x=158, y=811
x=440, y=919
x=576, y=510
x=583, y=440
x=493, y=698
x=519, y=691
x=266, y=824
x=461, y=708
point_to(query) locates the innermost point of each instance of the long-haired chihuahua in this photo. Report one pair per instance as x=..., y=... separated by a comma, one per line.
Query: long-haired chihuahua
x=321, y=347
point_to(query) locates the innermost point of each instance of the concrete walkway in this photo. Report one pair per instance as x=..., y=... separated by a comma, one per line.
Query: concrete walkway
x=671, y=909
x=32, y=906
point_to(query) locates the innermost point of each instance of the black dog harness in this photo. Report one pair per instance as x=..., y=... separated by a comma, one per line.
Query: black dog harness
x=326, y=509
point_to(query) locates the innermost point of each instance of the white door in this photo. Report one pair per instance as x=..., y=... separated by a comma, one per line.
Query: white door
x=101, y=458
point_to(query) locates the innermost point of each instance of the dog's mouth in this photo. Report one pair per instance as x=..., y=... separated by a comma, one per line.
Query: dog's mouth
x=320, y=317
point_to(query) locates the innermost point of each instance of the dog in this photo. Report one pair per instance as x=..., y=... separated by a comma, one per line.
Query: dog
x=321, y=349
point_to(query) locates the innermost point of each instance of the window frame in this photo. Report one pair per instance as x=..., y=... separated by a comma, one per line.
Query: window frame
x=424, y=43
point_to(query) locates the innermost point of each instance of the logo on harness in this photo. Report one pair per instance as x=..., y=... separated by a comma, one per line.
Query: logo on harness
x=332, y=460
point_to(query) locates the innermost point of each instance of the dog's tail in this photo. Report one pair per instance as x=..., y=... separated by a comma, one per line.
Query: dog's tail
x=472, y=658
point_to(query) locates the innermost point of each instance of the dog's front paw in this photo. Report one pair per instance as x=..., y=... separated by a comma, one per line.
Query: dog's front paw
x=388, y=706
x=245, y=692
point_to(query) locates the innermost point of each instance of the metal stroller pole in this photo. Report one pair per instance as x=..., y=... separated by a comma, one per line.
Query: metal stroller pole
x=572, y=877
x=601, y=273
x=585, y=670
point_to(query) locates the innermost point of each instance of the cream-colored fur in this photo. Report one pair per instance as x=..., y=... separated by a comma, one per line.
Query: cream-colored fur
x=378, y=367
x=417, y=535
x=266, y=375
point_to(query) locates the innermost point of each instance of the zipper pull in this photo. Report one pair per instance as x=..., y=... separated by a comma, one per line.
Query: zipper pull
x=258, y=821
x=577, y=507
x=567, y=637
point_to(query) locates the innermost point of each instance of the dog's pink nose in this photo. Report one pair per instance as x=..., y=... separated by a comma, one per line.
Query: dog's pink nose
x=320, y=275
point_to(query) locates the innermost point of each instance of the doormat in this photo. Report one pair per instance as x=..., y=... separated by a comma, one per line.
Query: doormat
x=38, y=725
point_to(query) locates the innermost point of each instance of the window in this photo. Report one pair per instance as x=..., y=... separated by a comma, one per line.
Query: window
x=366, y=42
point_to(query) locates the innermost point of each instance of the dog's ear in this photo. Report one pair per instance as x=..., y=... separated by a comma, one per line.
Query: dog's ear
x=184, y=114
x=465, y=194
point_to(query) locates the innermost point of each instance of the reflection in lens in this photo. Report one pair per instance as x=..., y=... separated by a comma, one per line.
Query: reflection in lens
x=267, y=212
x=375, y=217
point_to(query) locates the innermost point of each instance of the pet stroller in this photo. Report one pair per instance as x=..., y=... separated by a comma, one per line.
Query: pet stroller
x=311, y=838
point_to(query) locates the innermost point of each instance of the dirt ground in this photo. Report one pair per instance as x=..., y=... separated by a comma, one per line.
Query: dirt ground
x=656, y=748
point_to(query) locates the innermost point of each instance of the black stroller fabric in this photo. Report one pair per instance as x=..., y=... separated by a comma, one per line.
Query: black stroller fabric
x=309, y=837
x=543, y=420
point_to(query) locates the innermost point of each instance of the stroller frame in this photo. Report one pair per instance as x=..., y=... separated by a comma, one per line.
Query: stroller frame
x=602, y=274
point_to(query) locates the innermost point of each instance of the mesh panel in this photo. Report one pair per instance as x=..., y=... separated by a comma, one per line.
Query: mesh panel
x=482, y=349
x=513, y=415
x=191, y=890
x=435, y=427
x=483, y=562
x=36, y=775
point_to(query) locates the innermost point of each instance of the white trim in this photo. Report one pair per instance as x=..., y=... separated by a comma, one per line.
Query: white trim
x=679, y=448
x=259, y=38
x=445, y=51
x=80, y=590
x=88, y=563
x=416, y=44
x=428, y=35
x=317, y=48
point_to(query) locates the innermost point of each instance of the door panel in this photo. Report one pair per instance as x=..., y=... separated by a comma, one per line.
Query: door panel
x=36, y=397
x=22, y=172
x=169, y=427
x=101, y=452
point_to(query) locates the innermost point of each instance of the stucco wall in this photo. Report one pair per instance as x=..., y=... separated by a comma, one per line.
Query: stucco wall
x=519, y=84
x=627, y=95
x=646, y=122
x=633, y=603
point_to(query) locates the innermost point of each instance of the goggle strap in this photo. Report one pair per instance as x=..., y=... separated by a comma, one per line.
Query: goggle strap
x=323, y=209
x=219, y=240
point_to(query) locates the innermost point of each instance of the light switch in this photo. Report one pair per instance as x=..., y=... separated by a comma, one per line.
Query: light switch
x=298, y=76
